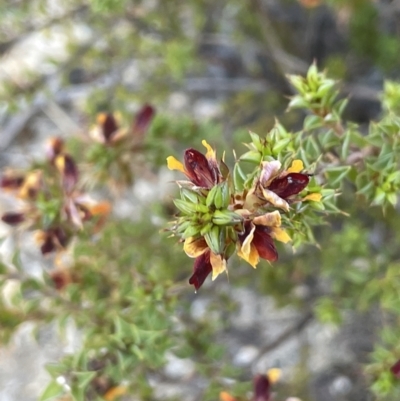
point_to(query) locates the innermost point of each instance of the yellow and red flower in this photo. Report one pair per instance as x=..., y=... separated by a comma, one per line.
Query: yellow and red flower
x=257, y=239
x=201, y=170
x=206, y=261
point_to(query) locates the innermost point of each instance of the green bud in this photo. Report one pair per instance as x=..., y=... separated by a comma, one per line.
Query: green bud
x=215, y=239
x=185, y=206
x=210, y=201
x=191, y=231
x=206, y=217
x=230, y=250
x=218, y=200
x=206, y=229
x=181, y=227
x=225, y=195
x=226, y=218
x=239, y=178
x=256, y=141
x=189, y=207
x=251, y=156
x=188, y=195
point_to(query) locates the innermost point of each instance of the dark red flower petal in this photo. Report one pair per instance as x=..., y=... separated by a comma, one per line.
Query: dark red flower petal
x=199, y=170
x=59, y=234
x=11, y=182
x=58, y=280
x=201, y=269
x=109, y=126
x=395, y=369
x=70, y=173
x=289, y=185
x=13, y=218
x=48, y=245
x=262, y=388
x=264, y=244
x=143, y=119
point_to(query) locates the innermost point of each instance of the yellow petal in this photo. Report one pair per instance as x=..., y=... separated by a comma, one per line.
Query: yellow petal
x=296, y=167
x=252, y=202
x=218, y=264
x=315, y=197
x=195, y=247
x=280, y=235
x=101, y=118
x=115, y=392
x=101, y=208
x=210, y=151
x=60, y=163
x=272, y=219
x=275, y=200
x=174, y=164
x=30, y=185
x=224, y=396
x=248, y=251
x=274, y=375
x=251, y=257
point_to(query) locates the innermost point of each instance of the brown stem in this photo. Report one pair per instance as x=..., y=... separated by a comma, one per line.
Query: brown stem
x=300, y=325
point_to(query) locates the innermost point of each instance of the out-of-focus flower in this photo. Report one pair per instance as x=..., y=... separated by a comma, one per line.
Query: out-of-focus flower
x=53, y=148
x=262, y=388
x=395, y=369
x=109, y=130
x=201, y=170
x=52, y=239
x=61, y=277
x=11, y=182
x=53, y=205
x=115, y=392
x=142, y=121
x=68, y=170
x=262, y=384
x=31, y=185
x=13, y=218
x=225, y=396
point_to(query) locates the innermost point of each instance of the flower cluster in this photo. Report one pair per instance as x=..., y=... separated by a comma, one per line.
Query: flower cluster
x=51, y=202
x=116, y=149
x=221, y=214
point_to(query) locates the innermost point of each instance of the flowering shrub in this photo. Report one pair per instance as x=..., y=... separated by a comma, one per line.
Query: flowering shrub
x=125, y=287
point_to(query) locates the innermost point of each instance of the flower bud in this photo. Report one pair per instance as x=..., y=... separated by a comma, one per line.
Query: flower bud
x=215, y=239
x=226, y=218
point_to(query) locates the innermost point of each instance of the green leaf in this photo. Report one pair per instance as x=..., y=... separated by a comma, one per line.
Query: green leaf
x=335, y=175
x=84, y=378
x=252, y=156
x=312, y=122
x=52, y=390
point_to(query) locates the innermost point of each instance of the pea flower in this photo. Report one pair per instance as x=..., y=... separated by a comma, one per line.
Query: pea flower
x=201, y=170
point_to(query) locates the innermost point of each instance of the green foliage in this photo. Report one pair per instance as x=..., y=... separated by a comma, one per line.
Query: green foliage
x=125, y=288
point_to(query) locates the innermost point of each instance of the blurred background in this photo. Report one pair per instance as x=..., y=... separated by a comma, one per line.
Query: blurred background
x=213, y=70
